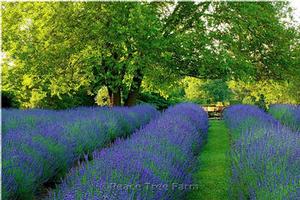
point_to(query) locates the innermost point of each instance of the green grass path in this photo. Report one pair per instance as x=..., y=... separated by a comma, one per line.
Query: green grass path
x=212, y=172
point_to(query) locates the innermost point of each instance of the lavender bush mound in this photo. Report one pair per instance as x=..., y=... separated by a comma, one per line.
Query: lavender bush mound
x=24, y=119
x=36, y=153
x=153, y=164
x=287, y=114
x=265, y=155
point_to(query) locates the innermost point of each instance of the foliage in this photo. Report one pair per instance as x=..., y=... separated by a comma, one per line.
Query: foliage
x=102, y=98
x=69, y=50
x=217, y=91
x=8, y=100
x=261, y=93
x=273, y=92
x=192, y=90
x=261, y=103
x=154, y=99
x=206, y=91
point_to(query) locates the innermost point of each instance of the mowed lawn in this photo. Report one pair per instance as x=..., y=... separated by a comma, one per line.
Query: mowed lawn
x=212, y=171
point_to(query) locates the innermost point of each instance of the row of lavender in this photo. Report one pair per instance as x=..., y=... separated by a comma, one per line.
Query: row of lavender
x=287, y=114
x=154, y=163
x=41, y=145
x=265, y=155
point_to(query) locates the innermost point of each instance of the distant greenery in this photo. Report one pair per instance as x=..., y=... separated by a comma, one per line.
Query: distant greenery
x=60, y=54
x=207, y=91
x=155, y=99
x=261, y=93
x=272, y=91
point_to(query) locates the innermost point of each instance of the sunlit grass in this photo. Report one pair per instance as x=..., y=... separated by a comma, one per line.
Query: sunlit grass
x=212, y=173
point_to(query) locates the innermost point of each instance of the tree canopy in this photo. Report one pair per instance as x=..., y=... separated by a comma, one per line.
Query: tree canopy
x=61, y=54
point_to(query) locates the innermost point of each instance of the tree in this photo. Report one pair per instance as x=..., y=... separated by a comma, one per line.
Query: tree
x=273, y=92
x=111, y=48
x=64, y=50
x=40, y=54
x=207, y=91
x=217, y=91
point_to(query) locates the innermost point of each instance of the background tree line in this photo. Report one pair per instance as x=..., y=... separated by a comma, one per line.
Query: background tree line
x=65, y=54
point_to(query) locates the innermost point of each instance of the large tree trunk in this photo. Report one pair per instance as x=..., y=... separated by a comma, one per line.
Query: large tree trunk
x=114, y=97
x=134, y=89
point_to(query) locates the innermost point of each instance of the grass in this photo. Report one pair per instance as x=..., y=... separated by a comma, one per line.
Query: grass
x=212, y=171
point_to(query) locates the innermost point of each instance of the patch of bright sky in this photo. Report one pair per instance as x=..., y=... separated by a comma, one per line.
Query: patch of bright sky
x=296, y=5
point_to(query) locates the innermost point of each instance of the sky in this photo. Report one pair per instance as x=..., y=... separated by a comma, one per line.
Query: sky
x=296, y=5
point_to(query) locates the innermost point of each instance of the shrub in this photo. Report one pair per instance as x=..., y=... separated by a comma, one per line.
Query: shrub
x=264, y=154
x=287, y=114
x=41, y=145
x=153, y=164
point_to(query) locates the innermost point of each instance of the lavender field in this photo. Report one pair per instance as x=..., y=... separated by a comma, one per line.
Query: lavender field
x=40, y=146
x=265, y=154
x=141, y=153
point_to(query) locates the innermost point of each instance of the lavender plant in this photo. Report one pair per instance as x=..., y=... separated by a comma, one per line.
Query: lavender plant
x=287, y=114
x=265, y=155
x=153, y=164
x=54, y=140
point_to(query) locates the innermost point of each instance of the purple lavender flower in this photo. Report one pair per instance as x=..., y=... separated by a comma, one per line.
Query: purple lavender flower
x=40, y=145
x=287, y=114
x=153, y=163
x=265, y=155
